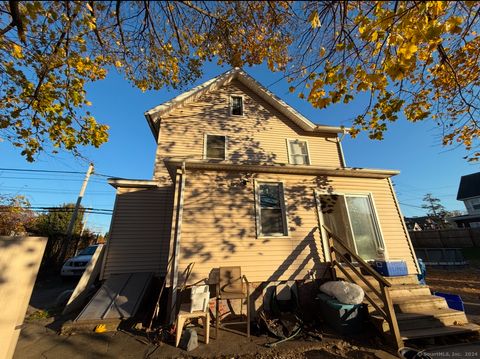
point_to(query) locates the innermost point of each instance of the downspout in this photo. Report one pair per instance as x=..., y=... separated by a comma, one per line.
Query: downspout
x=339, y=141
x=178, y=231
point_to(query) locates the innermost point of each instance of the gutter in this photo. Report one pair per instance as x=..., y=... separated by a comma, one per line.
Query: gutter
x=131, y=183
x=278, y=168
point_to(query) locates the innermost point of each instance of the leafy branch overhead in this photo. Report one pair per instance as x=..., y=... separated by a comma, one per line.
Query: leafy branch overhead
x=419, y=59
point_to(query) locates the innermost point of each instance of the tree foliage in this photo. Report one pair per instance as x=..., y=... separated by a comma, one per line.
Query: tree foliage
x=15, y=215
x=57, y=219
x=419, y=59
x=434, y=206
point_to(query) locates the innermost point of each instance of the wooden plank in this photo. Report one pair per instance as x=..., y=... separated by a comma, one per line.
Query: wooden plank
x=87, y=279
x=365, y=265
x=440, y=331
x=358, y=273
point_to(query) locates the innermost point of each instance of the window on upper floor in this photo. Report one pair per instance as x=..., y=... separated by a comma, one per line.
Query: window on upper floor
x=298, y=152
x=271, y=215
x=215, y=147
x=236, y=105
x=475, y=202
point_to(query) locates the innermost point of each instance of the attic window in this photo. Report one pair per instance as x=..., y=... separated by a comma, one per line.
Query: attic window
x=236, y=105
x=215, y=147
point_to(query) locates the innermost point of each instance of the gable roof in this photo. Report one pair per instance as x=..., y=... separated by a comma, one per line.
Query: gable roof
x=155, y=114
x=469, y=186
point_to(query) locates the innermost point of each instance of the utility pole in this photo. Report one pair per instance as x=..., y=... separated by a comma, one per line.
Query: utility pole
x=71, y=225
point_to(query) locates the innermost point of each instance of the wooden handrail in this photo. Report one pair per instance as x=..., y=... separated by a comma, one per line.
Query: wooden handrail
x=357, y=272
x=377, y=307
x=365, y=265
x=387, y=312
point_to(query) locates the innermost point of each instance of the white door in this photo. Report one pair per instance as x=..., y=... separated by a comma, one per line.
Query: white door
x=352, y=218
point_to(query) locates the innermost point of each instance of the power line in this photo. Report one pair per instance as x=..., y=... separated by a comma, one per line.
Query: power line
x=50, y=171
x=50, y=179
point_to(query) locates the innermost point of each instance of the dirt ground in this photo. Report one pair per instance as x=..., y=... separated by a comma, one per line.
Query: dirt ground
x=464, y=282
x=39, y=338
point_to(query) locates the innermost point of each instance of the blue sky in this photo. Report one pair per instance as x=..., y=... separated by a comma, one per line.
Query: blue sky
x=414, y=149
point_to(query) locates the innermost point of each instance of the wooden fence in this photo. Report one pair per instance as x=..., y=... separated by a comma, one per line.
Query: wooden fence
x=446, y=238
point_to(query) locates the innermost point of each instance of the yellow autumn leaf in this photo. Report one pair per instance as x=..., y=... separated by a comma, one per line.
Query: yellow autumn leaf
x=408, y=50
x=118, y=63
x=314, y=19
x=17, y=51
x=322, y=51
x=452, y=25
x=291, y=89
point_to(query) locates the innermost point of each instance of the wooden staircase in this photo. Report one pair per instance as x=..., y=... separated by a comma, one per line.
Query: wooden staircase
x=418, y=313
x=399, y=306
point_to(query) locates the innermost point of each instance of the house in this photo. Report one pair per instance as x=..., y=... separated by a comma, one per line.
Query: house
x=424, y=223
x=238, y=178
x=469, y=193
x=243, y=179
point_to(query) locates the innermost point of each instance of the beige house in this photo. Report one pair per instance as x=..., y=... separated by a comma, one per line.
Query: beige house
x=241, y=178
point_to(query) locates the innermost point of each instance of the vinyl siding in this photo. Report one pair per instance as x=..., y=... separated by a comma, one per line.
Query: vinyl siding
x=219, y=227
x=259, y=135
x=140, y=231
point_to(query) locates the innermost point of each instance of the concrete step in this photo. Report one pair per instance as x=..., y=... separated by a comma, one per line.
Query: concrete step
x=440, y=331
x=428, y=319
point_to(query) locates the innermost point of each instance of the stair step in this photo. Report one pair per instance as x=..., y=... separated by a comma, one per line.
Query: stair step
x=418, y=304
x=427, y=319
x=404, y=279
x=403, y=290
x=440, y=331
x=413, y=304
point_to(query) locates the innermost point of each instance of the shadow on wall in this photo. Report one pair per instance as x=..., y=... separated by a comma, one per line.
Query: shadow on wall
x=219, y=225
x=182, y=131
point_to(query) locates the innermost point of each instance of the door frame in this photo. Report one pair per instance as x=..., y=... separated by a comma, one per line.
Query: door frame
x=373, y=207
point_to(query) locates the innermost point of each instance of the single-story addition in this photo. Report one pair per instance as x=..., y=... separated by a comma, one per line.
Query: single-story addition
x=243, y=179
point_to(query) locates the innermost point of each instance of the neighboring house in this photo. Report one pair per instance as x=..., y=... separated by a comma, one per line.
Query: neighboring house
x=424, y=223
x=469, y=193
x=243, y=179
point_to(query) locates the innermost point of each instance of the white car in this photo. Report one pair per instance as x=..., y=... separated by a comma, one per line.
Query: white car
x=75, y=266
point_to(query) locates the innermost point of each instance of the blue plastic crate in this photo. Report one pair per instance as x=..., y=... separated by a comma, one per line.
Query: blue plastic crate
x=393, y=268
x=454, y=301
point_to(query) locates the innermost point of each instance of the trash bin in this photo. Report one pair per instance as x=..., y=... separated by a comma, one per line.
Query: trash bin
x=344, y=318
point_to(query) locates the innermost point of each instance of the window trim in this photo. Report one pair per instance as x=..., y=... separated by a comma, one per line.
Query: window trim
x=289, y=154
x=283, y=207
x=205, y=136
x=230, y=105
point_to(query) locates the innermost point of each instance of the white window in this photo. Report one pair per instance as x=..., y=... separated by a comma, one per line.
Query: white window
x=271, y=216
x=298, y=152
x=215, y=147
x=236, y=105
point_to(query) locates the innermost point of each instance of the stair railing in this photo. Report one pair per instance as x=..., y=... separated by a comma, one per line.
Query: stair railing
x=387, y=312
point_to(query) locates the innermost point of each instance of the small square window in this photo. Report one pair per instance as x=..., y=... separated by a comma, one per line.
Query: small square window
x=298, y=152
x=215, y=147
x=236, y=105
